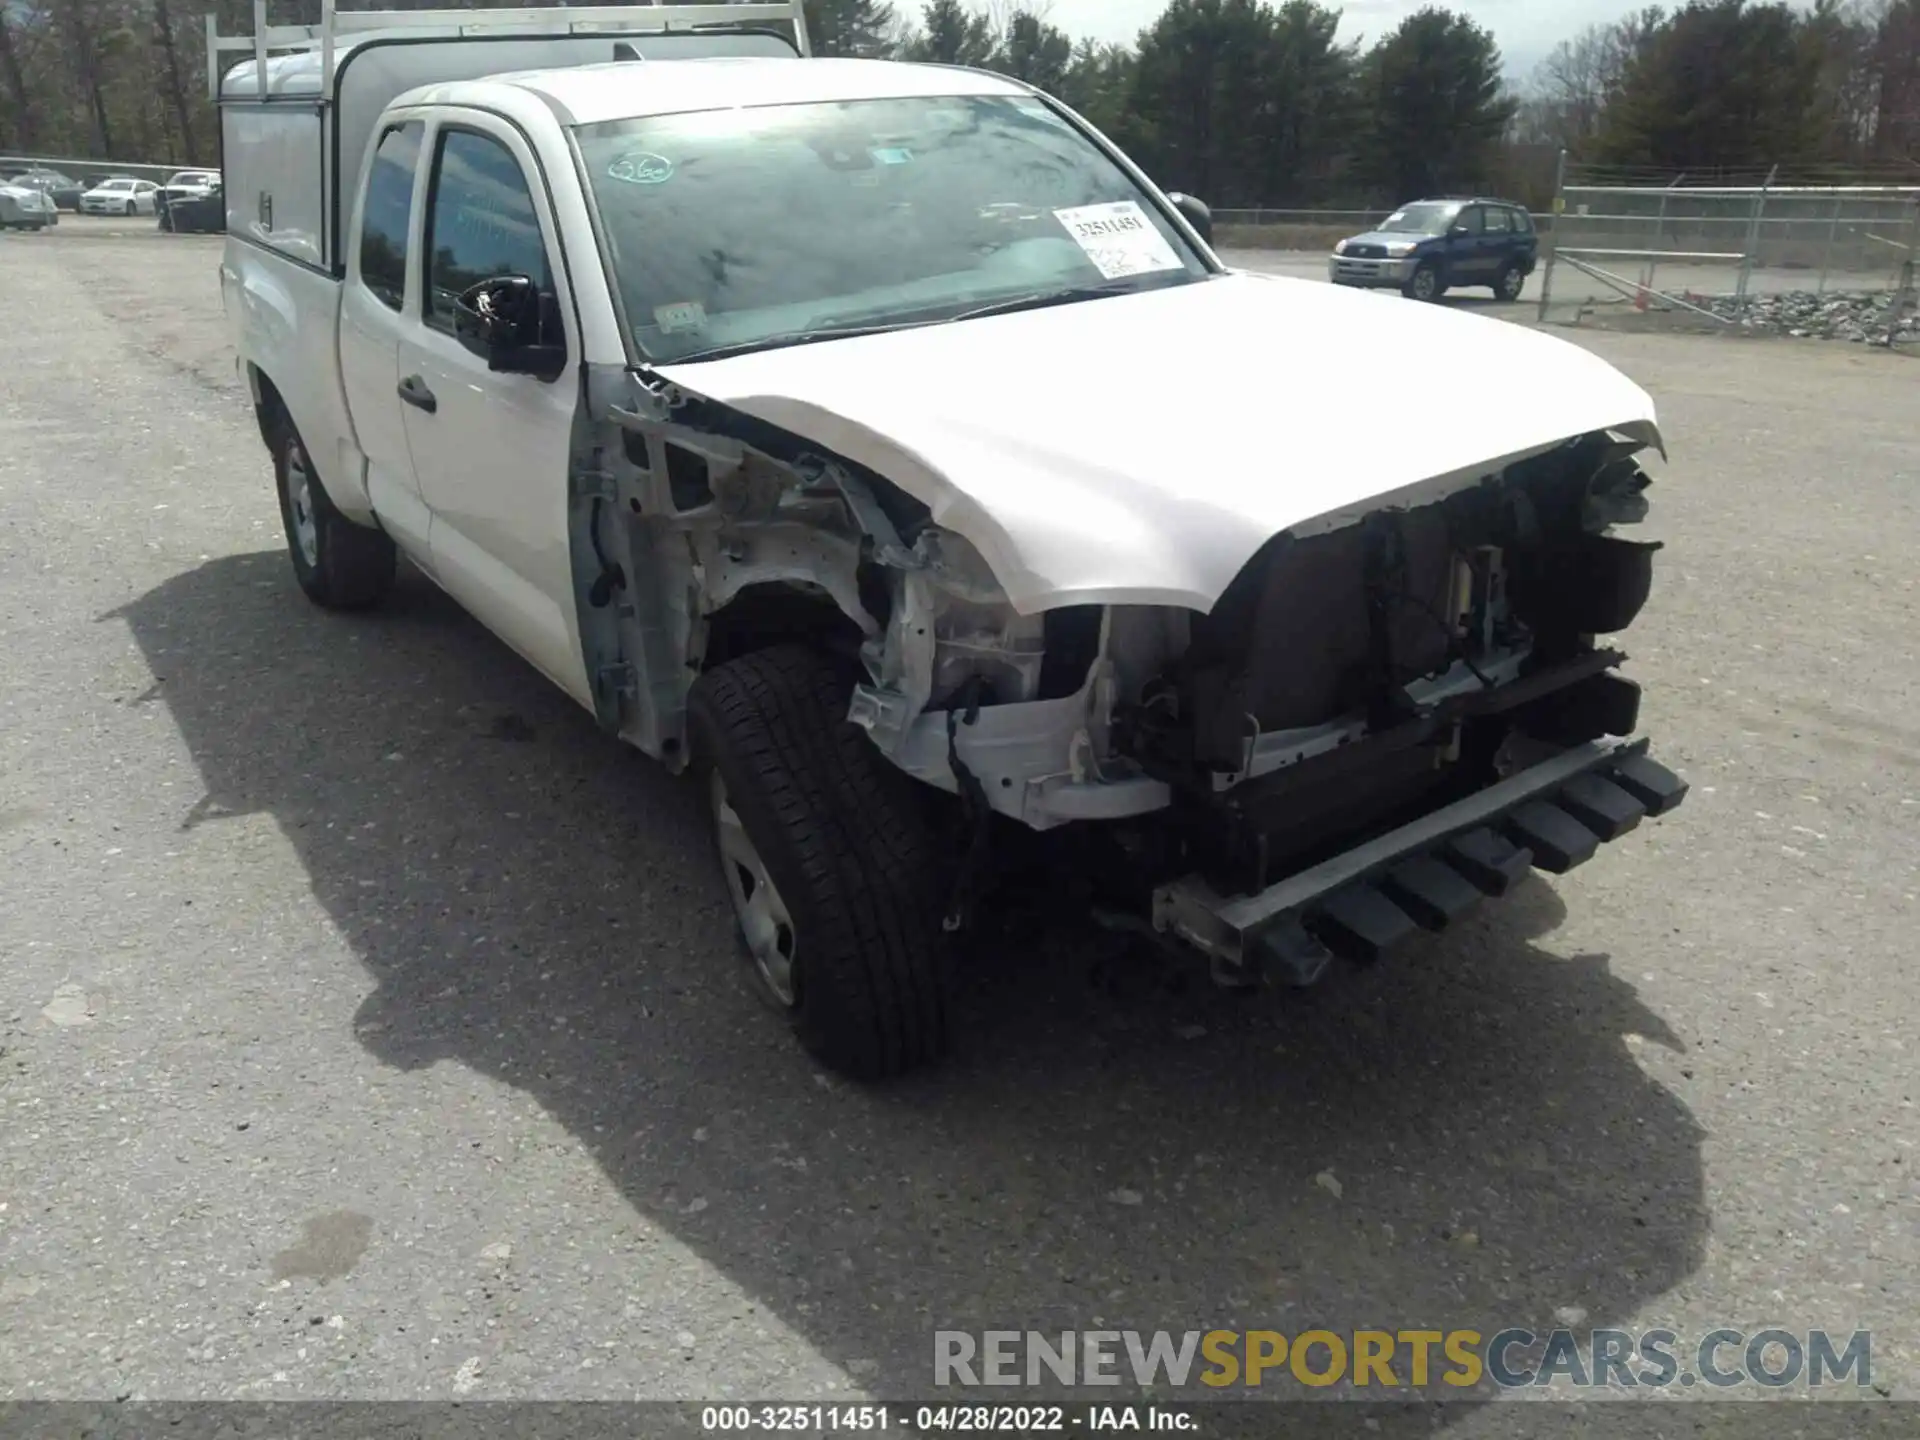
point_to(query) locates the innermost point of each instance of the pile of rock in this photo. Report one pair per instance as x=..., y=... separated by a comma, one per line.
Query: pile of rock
x=1861, y=318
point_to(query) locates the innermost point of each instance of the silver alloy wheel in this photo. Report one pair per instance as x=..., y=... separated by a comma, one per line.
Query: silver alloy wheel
x=1425, y=282
x=763, y=915
x=306, y=527
x=1512, y=283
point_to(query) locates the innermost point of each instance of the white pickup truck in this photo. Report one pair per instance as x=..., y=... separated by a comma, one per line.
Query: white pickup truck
x=880, y=443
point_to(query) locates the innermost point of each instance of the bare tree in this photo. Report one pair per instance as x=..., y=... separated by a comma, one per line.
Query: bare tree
x=1895, y=62
x=21, y=105
x=1572, y=87
x=176, y=87
x=79, y=21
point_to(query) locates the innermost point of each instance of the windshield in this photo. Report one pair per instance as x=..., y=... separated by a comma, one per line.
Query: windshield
x=762, y=226
x=1421, y=220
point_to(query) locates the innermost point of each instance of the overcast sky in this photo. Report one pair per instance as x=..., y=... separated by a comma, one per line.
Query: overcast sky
x=1526, y=29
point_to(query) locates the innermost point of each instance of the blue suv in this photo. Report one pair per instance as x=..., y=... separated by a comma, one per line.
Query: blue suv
x=1432, y=246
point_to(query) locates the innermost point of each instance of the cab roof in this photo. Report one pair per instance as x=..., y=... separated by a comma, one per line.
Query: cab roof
x=633, y=89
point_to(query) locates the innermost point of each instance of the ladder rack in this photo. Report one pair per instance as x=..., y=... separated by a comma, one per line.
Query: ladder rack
x=335, y=25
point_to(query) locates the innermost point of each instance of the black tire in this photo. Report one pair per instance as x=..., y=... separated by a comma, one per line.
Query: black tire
x=1425, y=283
x=841, y=833
x=345, y=566
x=131, y=207
x=1512, y=282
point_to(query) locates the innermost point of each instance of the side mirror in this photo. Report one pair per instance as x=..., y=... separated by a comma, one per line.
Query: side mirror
x=1457, y=232
x=501, y=320
x=1195, y=213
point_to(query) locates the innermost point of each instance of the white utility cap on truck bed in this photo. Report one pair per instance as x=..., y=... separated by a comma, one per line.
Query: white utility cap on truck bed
x=318, y=49
x=297, y=117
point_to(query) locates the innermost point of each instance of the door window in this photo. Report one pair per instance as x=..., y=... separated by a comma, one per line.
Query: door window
x=389, y=204
x=1499, y=222
x=1472, y=220
x=481, y=224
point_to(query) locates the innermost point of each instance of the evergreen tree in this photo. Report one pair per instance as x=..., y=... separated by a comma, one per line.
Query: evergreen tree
x=1099, y=83
x=953, y=34
x=1204, y=98
x=1722, y=83
x=1437, y=104
x=864, y=29
x=1035, y=52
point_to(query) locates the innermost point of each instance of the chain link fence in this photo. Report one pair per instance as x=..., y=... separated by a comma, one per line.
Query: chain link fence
x=1831, y=261
x=1271, y=229
x=88, y=172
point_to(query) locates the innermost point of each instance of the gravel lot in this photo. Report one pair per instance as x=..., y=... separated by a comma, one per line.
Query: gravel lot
x=369, y=1024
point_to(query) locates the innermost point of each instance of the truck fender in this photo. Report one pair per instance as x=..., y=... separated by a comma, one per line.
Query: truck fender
x=275, y=320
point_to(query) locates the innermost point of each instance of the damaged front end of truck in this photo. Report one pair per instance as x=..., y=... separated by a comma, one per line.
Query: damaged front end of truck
x=1388, y=714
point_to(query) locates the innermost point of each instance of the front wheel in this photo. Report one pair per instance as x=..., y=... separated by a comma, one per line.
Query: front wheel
x=340, y=565
x=1425, y=284
x=1512, y=281
x=828, y=863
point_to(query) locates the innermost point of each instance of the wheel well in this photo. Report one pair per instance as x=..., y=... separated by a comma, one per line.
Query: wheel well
x=268, y=408
x=762, y=616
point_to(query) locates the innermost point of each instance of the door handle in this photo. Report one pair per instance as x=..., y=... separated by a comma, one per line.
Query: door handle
x=414, y=391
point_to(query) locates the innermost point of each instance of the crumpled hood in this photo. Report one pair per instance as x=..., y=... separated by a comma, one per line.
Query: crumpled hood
x=1139, y=449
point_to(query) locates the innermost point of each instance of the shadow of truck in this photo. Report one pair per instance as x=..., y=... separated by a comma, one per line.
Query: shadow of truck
x=535, y=902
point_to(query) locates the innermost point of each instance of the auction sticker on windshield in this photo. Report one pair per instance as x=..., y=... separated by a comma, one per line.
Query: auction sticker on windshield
x=1118, y=239
x=687, y=317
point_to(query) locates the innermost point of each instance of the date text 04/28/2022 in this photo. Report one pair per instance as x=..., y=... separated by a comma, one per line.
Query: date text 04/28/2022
x=926, y=1419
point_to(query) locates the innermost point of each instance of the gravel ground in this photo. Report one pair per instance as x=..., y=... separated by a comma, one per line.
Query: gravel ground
x=371, y=1029
x=1859, y=317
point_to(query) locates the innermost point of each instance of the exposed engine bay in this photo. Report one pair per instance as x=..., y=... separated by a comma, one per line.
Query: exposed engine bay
x=1351, y=678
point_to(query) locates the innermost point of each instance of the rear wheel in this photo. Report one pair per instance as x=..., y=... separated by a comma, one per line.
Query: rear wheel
x=340, y=565
x=1512, y=281
x=1425, y=284
x=828, y=863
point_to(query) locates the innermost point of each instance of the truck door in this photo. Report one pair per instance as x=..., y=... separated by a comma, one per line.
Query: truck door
x=491, y=451
x=375, y=310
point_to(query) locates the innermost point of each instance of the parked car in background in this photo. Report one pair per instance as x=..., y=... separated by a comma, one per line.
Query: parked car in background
x=63, y=190
x=23, y=207
x=202, y=212
x=181, y=187
x=1430, y=247
x=121, y=195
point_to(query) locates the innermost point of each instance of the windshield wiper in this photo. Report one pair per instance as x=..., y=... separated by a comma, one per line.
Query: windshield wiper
x=802, y=337
x=1042, y=299
x=1038, y=300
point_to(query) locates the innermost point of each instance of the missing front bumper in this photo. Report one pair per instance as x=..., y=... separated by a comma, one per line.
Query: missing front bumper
x=1551, y=816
